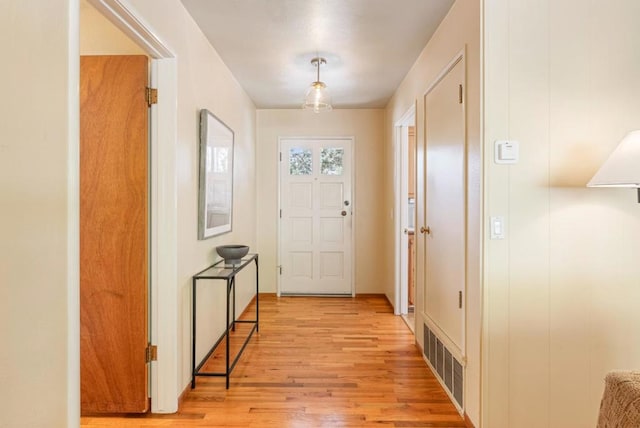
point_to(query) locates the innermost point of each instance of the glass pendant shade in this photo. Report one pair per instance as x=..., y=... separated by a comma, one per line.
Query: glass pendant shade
x=317, y=97
x=622, y=168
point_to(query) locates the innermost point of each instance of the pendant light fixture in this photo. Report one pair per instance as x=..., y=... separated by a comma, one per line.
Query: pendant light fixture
x=317, y=97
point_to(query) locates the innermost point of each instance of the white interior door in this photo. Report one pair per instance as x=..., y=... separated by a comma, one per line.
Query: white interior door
x=446, y=204
x=315, y=216
x=404, y=212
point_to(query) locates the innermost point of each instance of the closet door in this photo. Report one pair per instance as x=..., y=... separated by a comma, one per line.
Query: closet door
x=113, y=234
x=445, y=205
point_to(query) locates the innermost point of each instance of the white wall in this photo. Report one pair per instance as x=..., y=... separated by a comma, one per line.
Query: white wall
x=38, y=242
x=98, y=36
x=562, y=291
x=366, y=126
x=459, y=30
x=204, y=81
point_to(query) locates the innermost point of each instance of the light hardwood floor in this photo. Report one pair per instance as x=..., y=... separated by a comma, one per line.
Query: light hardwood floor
x=317, y=362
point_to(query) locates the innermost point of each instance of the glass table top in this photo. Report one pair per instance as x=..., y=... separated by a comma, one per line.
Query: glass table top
x=221, y=271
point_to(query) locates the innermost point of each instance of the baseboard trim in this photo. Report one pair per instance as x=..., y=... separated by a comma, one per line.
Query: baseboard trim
x=182, y=396
x=468, y=422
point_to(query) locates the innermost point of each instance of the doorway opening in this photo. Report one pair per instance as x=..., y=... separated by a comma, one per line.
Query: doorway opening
x=164, y=386
x=405, y=216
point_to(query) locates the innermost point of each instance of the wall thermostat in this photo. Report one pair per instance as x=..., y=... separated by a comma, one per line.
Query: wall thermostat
x=506, y=151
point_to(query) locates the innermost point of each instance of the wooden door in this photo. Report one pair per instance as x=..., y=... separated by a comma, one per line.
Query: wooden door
x=113, y=234
x=316, y=222
x=445, y=190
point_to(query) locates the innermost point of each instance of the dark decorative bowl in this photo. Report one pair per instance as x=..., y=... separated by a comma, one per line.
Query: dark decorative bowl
x=232, y=254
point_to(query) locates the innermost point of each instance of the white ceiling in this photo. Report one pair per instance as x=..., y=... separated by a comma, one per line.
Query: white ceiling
x=369, y=45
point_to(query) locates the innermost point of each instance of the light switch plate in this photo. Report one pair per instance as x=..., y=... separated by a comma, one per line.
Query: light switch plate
x=506, y=151
x=497, y=227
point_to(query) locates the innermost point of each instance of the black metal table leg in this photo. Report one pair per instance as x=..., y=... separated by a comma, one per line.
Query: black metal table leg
x=229, y=283
x=193, y=334
x=257, y=297
x=233, y=288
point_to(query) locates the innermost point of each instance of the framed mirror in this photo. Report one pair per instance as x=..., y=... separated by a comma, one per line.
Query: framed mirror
x=215, y=212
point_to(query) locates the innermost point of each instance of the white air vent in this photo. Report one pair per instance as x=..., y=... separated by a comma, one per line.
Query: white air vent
x=444, y=365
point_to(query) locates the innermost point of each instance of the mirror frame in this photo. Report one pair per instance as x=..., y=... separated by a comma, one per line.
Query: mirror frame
x=215, y=193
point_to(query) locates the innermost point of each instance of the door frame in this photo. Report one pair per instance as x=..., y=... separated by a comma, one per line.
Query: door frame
x=353, y=208
x=401, y=191
x=163, y=322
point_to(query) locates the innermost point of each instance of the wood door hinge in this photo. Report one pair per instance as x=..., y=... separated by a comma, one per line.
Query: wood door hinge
x=152, y=96
x=459, y=94
x=280, y=269
x=151, y=353
x=280, y=213
x=460, y=299
x=280, y=156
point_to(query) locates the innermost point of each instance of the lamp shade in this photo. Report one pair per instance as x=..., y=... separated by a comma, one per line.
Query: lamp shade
x=317, y=98
x=622, y=168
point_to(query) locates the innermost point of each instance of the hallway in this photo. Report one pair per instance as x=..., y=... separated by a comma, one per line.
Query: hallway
x=317, y=362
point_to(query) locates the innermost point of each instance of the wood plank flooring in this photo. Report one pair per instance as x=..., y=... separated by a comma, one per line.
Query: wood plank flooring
x=316, y=362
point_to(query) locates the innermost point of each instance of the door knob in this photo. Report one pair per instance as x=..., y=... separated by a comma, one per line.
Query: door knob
x=344, y=213
x=406, y=231
x=346, y=203
x=425, y=230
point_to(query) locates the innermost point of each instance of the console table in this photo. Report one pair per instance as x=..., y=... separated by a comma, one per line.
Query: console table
x=218, y=271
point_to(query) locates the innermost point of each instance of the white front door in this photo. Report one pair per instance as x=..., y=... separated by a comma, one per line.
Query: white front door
x=445, y=207
x=315, y=216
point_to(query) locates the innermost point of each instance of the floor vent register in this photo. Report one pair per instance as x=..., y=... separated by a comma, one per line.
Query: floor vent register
x=448, y=369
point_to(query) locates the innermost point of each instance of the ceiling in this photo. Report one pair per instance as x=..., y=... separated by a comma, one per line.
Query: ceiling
x=369, y=45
